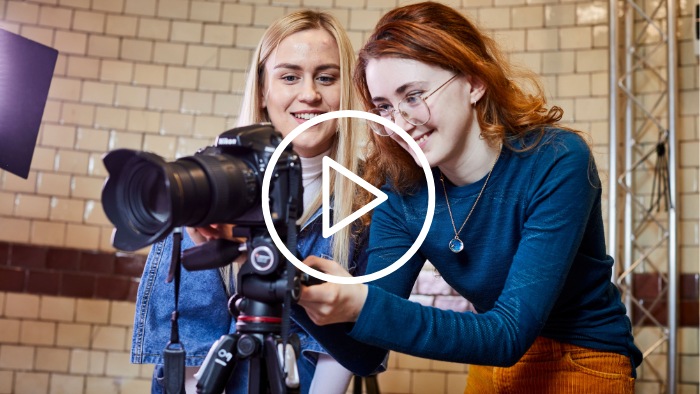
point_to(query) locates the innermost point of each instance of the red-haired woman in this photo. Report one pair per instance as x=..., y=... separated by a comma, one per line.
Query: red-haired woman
x=517, y=230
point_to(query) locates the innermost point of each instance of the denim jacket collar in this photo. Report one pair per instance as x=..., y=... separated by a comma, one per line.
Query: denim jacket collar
x=315, y=216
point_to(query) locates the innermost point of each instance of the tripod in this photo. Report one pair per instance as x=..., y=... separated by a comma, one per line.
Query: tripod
x=262, y=285
x=256, y=339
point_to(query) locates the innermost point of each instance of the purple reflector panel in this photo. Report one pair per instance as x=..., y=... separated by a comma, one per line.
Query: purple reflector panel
x=26, y=68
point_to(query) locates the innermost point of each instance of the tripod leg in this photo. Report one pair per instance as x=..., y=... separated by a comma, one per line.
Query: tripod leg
x=254, y=378
x=357, y=385
x=218, y=366
x=274, y=368
x=372, y=384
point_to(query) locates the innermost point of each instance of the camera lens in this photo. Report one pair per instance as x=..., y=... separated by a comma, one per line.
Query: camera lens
x=154, y=195
x=146, y=197
x=231, y=183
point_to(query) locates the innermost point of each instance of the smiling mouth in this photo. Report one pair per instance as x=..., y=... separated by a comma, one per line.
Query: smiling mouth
x=423, y=137
x=306, y=115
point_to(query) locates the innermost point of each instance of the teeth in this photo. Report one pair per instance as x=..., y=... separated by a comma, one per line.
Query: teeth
x=423, y=138
x=306, y=116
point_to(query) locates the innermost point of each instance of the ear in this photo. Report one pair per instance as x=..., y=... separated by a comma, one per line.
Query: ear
x=478, y=88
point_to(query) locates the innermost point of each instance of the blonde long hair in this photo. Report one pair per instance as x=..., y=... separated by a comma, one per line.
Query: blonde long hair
x=345, y=149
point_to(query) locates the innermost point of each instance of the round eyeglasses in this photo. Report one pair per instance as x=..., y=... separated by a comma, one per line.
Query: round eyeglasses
x=413, y=109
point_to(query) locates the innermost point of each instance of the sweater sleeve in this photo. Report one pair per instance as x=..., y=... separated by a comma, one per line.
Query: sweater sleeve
x=560, y=199
x=358, y=357
x=361, y=358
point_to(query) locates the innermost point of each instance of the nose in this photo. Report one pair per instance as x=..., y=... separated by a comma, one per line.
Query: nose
x=401, y=122
x=309, y=93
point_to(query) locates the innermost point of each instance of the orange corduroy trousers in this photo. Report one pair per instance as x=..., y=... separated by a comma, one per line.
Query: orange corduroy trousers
x=552, y=367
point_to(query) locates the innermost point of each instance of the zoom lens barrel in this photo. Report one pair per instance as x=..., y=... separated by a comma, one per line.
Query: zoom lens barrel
x=146, y=197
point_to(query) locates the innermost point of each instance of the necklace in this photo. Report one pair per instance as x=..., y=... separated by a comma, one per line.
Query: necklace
x=456, y=245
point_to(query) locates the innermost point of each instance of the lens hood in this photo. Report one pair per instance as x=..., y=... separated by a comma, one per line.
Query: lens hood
x=132, y=176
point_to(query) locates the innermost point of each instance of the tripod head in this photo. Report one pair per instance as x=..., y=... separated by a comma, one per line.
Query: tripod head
x=262, y=284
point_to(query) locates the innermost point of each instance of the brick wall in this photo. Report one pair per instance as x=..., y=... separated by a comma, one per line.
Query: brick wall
x=67, y=345
x=52, y=344
x=167, y=76
x=73, y=345
x=689, y=109
x=87, y=338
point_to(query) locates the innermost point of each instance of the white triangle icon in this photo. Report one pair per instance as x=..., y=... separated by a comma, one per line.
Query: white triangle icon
x=381, y=197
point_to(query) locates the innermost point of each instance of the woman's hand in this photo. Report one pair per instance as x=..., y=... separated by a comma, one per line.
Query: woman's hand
x=213, y=231
x=216, y=231
x=330, y=303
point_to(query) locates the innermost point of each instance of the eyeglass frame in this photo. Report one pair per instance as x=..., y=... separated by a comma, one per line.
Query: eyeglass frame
x=393, y=110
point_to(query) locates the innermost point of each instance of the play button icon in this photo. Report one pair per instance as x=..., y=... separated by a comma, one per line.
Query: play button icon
x=381, y=197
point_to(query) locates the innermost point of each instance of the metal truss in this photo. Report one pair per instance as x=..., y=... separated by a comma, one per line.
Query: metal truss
x=648, y=88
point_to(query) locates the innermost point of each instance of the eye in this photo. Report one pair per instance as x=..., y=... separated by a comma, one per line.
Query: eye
x=290, y=78
x=412, y=100
x=385, y=107
x=326, y=79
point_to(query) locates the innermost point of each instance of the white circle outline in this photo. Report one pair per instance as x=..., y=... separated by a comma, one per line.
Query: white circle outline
x=266, y=197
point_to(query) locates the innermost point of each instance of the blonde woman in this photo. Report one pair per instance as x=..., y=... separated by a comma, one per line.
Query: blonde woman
x=301, y=69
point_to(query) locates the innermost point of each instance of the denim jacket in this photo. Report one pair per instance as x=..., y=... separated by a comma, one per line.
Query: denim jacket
x=203, y=301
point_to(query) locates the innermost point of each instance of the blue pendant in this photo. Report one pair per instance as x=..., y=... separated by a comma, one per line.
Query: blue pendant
x=456, y=245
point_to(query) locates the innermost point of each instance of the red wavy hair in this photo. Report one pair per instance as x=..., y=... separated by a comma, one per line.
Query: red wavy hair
x=438, y=35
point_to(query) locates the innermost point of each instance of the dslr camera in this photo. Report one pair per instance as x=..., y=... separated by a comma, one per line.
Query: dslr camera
x=146, y=198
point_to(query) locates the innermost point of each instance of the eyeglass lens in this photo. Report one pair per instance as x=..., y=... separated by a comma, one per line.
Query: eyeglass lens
x=378, y=128
x=413, y=109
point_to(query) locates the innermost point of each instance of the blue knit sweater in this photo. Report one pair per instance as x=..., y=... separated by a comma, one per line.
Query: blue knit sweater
x=534, y=264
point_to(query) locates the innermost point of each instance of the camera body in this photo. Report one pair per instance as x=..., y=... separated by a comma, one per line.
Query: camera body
x=254, y=145
x=146, y=197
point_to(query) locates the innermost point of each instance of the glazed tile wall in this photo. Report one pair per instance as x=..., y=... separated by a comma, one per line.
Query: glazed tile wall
x=54, y=344
x=61, y=276
x=167, y=76
x=67, y=345
x=688, y=123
